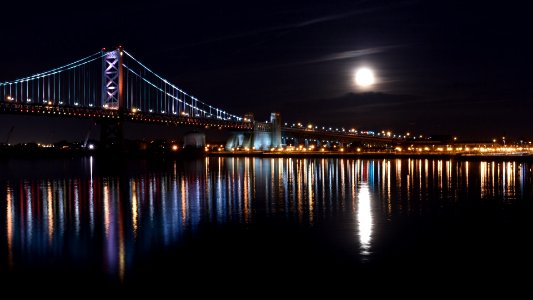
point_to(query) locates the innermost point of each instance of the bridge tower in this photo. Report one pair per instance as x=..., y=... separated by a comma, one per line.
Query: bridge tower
x=112, y=130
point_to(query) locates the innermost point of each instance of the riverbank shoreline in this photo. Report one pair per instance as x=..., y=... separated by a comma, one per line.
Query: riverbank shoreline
x=384, y=155
x=49, y=153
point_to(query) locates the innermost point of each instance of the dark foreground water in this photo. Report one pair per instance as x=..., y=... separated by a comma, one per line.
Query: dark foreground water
x=266, y=226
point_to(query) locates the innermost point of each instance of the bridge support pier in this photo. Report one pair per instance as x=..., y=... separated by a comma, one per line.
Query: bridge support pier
x=236, y=140
x=112, y=136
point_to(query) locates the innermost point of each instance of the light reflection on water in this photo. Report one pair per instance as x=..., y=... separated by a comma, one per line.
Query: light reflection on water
x=364, y=219
x=80, y=219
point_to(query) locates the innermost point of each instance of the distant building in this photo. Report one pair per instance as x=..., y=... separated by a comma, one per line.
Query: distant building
x=194, y=140
x=275, y=119
x=249, y=117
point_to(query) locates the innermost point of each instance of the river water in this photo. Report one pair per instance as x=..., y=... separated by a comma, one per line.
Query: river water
x=265, y=223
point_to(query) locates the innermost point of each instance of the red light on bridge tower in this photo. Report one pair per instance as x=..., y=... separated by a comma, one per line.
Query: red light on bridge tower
x=120, y=79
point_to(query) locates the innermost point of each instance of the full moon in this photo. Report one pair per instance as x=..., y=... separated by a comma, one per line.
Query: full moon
x=364, y=77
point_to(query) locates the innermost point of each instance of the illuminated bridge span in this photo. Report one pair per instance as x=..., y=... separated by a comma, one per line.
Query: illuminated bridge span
x=314, y=136
x=103, y=84
x=272, y=134
x=113, y=87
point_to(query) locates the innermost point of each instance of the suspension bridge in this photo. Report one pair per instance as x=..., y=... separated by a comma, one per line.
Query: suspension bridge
x=113, y=87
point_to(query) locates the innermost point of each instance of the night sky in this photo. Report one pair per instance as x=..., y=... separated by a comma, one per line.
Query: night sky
x=442, y=67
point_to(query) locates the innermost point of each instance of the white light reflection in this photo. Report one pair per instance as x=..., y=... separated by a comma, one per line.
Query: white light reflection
x=29, y=212
x=364, y=219
x=76, y=206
